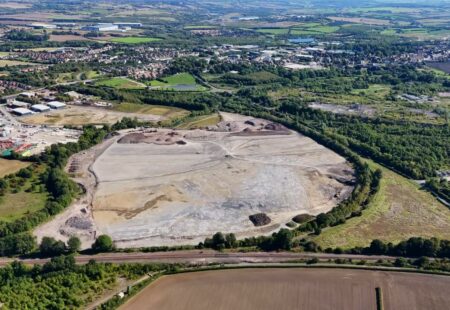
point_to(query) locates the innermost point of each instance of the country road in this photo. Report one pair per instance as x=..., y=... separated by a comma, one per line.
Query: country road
x=202, y=257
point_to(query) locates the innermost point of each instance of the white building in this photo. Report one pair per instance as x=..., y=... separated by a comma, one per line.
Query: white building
x=101, y=27
x=22, y=111
x=40, y=108
x=56, y=104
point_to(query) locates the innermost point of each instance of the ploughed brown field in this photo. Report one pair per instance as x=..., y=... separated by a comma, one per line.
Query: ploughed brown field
x=289, y=288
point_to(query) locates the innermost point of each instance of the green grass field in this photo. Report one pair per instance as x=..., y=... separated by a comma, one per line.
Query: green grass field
x=166, y=111
x=181, y=81
x=399, y=210
x=134, y=40
x=276, y=31
x=120, y=83
x=324, y=29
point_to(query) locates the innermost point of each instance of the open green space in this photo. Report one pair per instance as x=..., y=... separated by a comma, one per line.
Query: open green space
x=120, y=83
x=400, y=210
x=15, y=205
x=276, y=31
x=134, y=40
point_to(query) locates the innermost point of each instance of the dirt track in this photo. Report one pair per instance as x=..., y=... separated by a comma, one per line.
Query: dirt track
x=309, y=289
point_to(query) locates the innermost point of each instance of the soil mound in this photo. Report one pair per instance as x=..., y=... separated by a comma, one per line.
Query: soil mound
x=260, y=219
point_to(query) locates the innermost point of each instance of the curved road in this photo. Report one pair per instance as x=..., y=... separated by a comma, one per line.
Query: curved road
x=202, y=257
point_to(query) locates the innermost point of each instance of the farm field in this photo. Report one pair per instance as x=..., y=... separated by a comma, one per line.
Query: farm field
x=120, y=83
x=80, y=115
x=13, y=63
x=400, y=210
x=133, y=40
x=169, y=187
x=11, y=166
x=289, y=288
x=165, y=111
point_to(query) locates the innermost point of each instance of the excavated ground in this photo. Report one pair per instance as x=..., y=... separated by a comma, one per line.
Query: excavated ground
x=166, y=187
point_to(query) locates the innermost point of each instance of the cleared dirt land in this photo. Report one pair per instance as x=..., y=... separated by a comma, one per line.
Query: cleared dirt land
x=165, y=187
x=308, y=289
x=81, y=115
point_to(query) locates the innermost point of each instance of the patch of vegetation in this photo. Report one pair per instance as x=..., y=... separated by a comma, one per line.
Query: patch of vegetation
x=200, y=121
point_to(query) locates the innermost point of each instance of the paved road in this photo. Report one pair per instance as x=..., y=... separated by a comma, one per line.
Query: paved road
x=203, y=257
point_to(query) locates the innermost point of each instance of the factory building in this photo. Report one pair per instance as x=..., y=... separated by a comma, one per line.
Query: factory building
x=131, y=25
x=56, y=105
x=40, y=108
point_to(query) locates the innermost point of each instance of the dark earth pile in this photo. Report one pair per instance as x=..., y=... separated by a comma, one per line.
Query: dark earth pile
x=260, y=219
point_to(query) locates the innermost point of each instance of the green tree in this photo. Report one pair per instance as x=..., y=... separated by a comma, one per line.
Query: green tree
x=74, y=244
x=103, y=243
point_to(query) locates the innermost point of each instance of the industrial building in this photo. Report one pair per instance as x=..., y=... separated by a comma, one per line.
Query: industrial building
x=56, y=105
x=40, y=108
x=131, y=25
x=22, y=111
x=101, y=27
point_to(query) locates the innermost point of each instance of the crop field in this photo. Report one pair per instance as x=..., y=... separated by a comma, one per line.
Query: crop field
x=13, y=63
x=134, y=40
x=67, y=37
x=169, y=187
x=312, y=289
x=79, y=115
x=358, y=20
x=11, y=166
x=180, y=82
x=165, y=111
x=400, y=210
x=120, y=83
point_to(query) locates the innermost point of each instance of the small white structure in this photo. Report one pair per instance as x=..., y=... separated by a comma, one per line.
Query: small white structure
x=40, y=108
x=18, y=104
x=28, y=94
x=22, y=111
x=56, y=104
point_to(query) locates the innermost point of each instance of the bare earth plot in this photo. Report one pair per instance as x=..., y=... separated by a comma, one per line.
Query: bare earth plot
x=81, y=115
x=302, y=289
x=169, y=187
